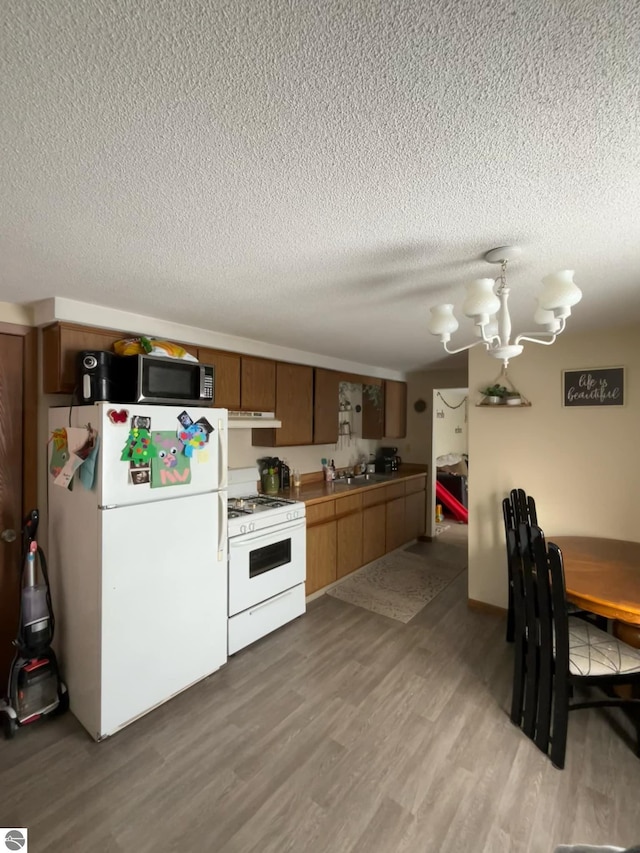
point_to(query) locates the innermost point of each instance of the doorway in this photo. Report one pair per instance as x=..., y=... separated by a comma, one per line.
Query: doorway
x=449, y=457
x=18, y=465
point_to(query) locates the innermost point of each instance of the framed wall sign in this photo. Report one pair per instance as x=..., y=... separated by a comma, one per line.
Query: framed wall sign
x=593, y=386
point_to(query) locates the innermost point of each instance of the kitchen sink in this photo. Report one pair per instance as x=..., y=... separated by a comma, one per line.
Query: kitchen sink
x=371, y=478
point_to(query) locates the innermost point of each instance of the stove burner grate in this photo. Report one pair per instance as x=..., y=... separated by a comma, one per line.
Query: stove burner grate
x=236, y=512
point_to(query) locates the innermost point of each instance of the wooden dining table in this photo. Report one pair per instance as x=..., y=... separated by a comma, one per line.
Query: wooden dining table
x=603, y=576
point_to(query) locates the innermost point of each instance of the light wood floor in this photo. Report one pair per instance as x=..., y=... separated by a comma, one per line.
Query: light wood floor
x=343, y=731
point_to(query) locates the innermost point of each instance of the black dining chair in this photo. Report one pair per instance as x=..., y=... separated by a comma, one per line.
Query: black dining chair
x=526, y=658
x=519, y=508
x=564, y=652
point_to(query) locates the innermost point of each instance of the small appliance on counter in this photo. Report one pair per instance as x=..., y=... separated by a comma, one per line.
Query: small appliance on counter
x=387, y=461
x=275, y=474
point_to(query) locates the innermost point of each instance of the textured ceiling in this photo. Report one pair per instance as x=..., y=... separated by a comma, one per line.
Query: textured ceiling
x=318, y=174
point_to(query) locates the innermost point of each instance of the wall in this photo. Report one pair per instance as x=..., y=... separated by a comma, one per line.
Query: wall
x=69, y=310
x=450, y=415
x=306, y=459
x=21, y=315
x=580, y=464
x=417, y=447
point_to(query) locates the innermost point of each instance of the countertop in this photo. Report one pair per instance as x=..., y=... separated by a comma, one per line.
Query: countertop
x=320, y=490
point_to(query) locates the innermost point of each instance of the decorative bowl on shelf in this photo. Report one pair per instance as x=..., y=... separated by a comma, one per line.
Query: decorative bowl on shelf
x=513, y=400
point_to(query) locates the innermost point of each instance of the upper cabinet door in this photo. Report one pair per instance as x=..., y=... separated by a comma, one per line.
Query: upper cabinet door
x=395, y=409
x=384, y=409
x=226, y=379
x=61, y=343
x=258, y=384
x=294, y=404
x=294, y=407
x=325, y=406
x=373, y=408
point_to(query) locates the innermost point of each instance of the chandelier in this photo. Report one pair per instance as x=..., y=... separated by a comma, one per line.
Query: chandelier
x=486, y=304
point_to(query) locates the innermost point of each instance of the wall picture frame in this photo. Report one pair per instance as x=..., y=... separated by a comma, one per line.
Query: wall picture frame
x=599, y=387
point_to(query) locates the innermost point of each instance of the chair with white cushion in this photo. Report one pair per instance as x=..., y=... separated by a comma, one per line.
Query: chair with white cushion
x=570, y=652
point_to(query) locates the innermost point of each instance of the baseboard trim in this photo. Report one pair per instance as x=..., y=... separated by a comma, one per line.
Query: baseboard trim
x=484, y=607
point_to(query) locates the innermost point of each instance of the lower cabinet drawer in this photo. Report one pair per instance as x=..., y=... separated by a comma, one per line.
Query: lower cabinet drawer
x=417, y=485
x=258, y=621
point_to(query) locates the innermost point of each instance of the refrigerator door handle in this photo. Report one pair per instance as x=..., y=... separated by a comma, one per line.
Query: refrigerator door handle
x=222, y=524
x=223, y=454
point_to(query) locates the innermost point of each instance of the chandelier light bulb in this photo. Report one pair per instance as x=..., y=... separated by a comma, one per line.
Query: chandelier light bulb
x=442, y=322
x=481, y=300
x=560, y=293
x=546, y=318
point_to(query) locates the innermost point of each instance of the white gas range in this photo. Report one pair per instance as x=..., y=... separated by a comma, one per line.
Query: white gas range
x=267, y=560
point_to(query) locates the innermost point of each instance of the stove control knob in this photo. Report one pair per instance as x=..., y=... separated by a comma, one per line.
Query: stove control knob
x=243, y=528
x=252, y=527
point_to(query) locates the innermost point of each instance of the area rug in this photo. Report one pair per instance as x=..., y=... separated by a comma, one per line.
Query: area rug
x=397, y=585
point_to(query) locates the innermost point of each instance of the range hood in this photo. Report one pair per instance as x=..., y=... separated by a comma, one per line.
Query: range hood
x=250, y=420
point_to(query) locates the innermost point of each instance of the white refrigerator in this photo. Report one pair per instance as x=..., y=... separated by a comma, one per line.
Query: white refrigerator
x=138, y=562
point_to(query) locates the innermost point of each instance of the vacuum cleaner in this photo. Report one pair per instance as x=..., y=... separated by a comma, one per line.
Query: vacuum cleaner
x=35, y=689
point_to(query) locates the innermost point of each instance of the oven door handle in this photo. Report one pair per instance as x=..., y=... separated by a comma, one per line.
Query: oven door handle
x=268, y=532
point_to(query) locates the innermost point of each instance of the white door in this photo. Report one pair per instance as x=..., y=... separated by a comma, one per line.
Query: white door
x=172, y=472
x=264, y=563
x=164, y=602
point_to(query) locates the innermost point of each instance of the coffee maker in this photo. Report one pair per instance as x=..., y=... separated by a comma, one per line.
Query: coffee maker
x=386, y=460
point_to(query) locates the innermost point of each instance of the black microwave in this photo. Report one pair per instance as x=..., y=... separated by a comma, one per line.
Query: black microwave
x=143, y=379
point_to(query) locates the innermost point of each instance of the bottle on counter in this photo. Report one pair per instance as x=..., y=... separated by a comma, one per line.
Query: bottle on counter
x=285, y=475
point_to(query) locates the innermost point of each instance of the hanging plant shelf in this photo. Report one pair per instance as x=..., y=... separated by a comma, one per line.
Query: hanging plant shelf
x=502, y=394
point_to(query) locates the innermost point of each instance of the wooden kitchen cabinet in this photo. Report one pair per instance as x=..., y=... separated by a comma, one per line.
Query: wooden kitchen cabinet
x=384, y=411
x=257, y=384
x=372, y=409
x=395, y=523
x=61, y=343
x=373, y=533
x=294, y=407
x=226, y=380
x=395, y=409
x=321, y=555
x=349, y=534
x=349, y=547
x=325, y=406
x=415, y=515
